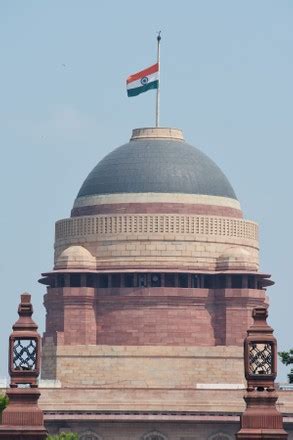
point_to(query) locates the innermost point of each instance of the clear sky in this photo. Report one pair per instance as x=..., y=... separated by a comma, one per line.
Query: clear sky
x=226, y=80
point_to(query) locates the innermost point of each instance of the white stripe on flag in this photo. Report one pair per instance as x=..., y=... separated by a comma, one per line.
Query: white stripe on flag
x=138, y=83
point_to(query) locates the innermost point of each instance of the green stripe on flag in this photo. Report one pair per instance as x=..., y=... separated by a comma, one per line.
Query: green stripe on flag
x=138, y=90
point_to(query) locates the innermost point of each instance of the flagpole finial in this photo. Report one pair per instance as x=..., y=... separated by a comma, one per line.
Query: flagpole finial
x=159, y=36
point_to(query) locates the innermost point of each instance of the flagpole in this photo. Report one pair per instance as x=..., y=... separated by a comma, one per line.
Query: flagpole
x=158, y=89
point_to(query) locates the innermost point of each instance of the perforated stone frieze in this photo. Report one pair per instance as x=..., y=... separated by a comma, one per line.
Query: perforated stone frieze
x=101, y=226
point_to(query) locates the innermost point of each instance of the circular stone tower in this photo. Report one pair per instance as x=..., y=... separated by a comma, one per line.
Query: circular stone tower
x=155, y=258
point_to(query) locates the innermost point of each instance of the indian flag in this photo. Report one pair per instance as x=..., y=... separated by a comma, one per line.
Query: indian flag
x=142, y=81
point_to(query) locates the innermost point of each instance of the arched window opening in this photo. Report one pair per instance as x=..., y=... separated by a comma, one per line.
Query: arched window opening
x=90, y=280
x=129, y=280
x=103, y=281
x=154, y=436
x=169, y=280
x=142, y=280
x=155, y=280
x=236, y=281
x=75, y=280
x=89, y=435
x=194, y=281
x=183, y=280
x=60, y=280
x=116, y=280
x=220, y=436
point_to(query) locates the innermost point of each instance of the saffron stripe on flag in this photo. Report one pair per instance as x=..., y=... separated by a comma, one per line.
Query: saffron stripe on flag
x=152, y=69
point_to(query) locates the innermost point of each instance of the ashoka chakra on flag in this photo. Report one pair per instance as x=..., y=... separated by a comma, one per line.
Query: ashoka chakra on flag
x=142, y=81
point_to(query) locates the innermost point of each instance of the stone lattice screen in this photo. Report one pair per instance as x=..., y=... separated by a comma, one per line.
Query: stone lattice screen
x=152, y=224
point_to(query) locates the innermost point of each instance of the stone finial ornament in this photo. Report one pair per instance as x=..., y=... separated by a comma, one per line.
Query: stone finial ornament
x=24, y=347
x=261, y=419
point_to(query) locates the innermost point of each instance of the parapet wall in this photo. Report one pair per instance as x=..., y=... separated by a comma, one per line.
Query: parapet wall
x=137, y=367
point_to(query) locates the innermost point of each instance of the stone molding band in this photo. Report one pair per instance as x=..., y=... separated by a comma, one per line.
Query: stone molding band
x=157, y=208
x=149, y=197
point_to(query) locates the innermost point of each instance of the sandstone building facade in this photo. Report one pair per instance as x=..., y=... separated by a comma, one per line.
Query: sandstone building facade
x=155, y=276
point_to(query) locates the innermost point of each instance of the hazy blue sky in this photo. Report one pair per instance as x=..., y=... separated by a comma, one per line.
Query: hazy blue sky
x=226, y=80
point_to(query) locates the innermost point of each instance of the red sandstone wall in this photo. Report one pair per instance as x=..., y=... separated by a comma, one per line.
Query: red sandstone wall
x=150, y=316
x=155, y=316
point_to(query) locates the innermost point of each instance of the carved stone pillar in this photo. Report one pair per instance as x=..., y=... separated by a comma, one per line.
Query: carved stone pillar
x=261, y=419
x=23, y=419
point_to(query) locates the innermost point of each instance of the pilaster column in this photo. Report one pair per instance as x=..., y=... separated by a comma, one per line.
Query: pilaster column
x=79, y=316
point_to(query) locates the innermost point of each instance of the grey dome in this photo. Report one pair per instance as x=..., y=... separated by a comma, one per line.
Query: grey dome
x=158, y=165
